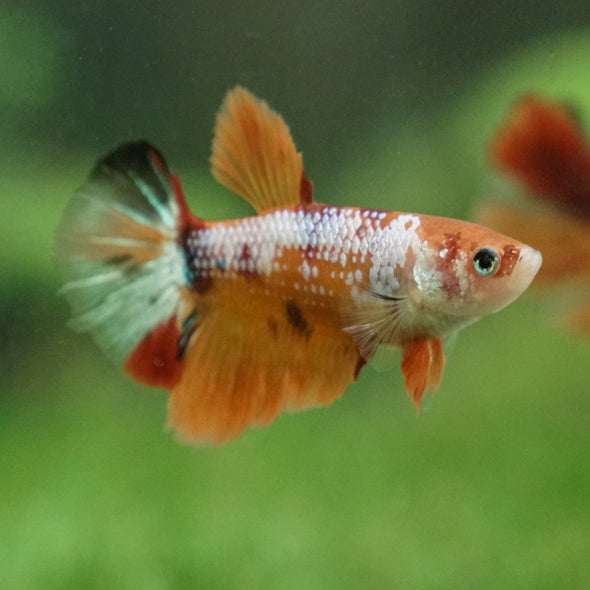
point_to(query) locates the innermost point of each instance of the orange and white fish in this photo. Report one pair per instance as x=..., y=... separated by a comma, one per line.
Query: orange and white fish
x=543, y=147
x=244, y=318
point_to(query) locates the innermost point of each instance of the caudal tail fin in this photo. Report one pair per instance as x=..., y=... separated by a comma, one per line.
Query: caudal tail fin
x=124, y=270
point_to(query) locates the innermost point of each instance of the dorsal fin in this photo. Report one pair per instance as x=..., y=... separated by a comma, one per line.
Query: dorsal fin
x=253, y=154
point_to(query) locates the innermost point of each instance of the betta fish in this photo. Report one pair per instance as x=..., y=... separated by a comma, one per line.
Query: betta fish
x=543, y=148
x=243, y=319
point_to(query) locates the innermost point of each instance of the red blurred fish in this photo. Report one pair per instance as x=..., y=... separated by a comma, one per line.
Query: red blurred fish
x=543, y=147
x=244, y=318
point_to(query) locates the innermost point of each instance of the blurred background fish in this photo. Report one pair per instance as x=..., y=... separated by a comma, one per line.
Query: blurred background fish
x=543, y=149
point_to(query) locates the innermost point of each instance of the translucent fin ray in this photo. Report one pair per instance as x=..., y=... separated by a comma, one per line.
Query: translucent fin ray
x=117, y=247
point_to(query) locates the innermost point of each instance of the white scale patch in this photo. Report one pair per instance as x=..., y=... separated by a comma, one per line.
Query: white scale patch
x=389, y=247
x=460, y=265
x=426, y=275
x=430, y=280
x=336, y=234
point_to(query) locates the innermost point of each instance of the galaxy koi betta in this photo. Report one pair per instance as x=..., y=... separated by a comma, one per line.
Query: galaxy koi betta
x=243, y=319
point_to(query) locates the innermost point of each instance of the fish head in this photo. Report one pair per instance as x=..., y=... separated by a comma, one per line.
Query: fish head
x=464, y=271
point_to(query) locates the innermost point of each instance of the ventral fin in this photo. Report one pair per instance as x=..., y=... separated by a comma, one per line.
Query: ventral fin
x=423, y=364
x=254, y=156
x=244, y=369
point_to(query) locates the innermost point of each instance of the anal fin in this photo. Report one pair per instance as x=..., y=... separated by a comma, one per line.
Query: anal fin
x=243, y=369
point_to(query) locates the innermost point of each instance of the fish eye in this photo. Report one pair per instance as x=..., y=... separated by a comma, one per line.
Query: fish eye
x=486, y=262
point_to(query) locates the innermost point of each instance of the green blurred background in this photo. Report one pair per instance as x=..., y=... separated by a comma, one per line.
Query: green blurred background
x=392, y=104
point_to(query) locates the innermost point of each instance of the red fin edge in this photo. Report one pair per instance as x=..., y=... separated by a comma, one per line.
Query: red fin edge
x=185, y=213
x=155, y=360
x=305, y=190
x=186, y=218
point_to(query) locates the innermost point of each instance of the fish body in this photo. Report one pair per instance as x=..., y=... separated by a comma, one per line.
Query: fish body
x=345, y=259
x=241, y=319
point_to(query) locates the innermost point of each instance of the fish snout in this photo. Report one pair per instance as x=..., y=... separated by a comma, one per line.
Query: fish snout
x=528, y=265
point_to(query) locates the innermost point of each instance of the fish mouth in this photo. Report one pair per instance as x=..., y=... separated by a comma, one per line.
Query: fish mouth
x=528, y=266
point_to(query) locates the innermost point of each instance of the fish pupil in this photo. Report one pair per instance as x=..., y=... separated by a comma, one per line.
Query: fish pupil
x=486, y=261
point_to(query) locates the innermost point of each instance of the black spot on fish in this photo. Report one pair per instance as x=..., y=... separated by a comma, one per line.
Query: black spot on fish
x=203, y=285
x=296, y=318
